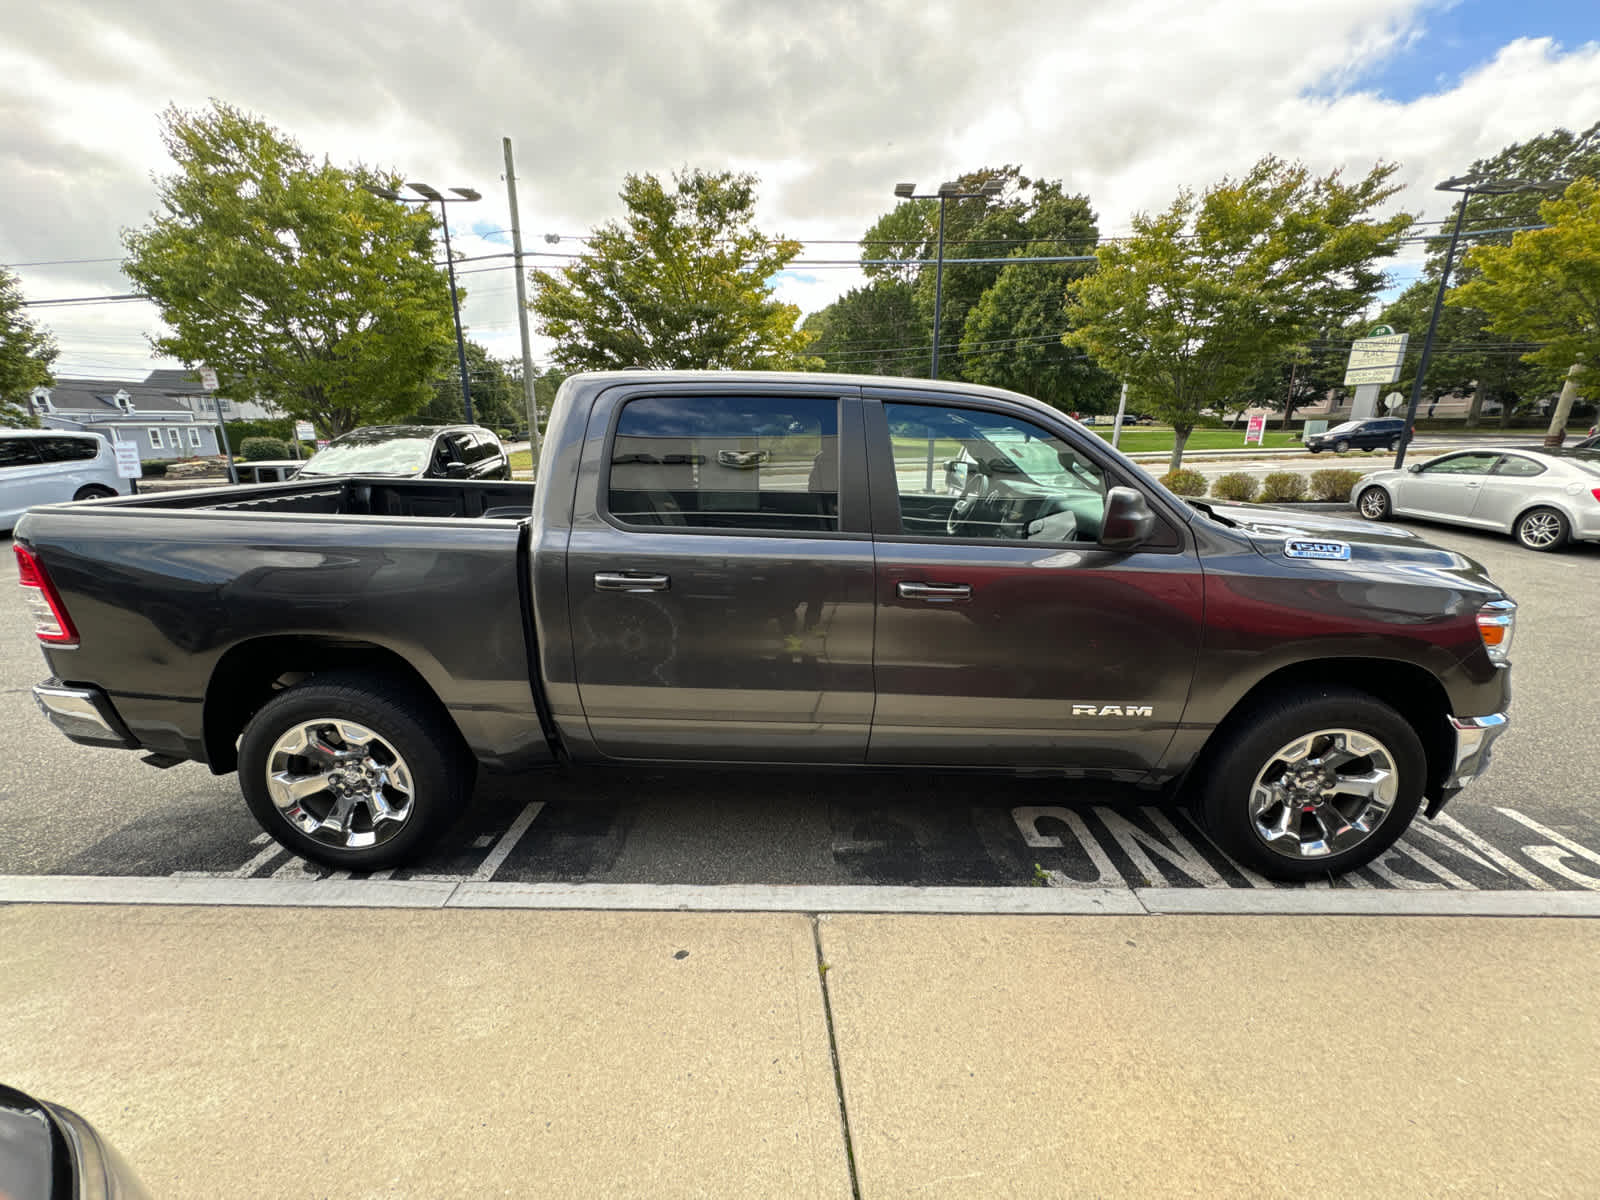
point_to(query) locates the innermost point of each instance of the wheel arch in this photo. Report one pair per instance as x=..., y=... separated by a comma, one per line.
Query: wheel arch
x=252, y=672
x=1412, y=691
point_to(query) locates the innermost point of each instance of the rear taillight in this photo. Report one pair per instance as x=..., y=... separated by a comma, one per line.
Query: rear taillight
x=50, y=621
x=1497, y=621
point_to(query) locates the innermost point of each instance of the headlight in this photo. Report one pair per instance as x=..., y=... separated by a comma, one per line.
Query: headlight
x=1497, y=621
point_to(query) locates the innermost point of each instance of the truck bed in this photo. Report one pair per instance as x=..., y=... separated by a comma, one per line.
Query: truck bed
x=190, y=605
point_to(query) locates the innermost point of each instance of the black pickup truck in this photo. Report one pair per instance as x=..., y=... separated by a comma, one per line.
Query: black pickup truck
x=775, y=568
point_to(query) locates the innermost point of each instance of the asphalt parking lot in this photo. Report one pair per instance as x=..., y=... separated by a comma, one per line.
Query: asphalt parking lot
x=1531, y=824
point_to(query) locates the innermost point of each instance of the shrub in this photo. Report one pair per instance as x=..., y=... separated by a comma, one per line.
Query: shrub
x=1235, y=486
x=1334, y=484
x=1282, y=486
x=154, y=468
x=276, y=427
x=1185, y=483
x=258, y=449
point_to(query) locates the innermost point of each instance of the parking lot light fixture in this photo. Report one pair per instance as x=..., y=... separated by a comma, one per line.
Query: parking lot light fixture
x=431, y=195
x=949, y=190
x=1468, y=186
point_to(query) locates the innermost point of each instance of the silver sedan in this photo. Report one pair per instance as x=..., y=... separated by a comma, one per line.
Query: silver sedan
x=1543, y=500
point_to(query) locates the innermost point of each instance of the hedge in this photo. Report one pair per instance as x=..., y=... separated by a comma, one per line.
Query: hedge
x=260, y=449
x=1235, y=486
x=1333, y=484
x=1281, y=486
x=1184, y=482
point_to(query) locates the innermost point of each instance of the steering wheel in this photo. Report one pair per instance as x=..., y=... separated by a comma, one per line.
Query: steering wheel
x=972, y=493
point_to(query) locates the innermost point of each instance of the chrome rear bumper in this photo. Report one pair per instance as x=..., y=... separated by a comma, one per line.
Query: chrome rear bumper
x=84, y=715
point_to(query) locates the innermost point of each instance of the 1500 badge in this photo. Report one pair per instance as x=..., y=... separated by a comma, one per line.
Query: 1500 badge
x=1305, y=548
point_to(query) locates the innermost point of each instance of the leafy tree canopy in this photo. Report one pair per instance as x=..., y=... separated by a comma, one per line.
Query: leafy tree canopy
x=1201, y=295
x=282, y=274
x=684, y=281
x=1544, y=287
x=26, y=352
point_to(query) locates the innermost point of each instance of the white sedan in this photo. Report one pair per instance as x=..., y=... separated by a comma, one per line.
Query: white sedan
x=1543, y=500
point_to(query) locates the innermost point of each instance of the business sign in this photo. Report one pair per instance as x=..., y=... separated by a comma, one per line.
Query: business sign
x=208, y=379
x=128, y=464
x=303, y=432
x=1256, y=430
x=1376, y=359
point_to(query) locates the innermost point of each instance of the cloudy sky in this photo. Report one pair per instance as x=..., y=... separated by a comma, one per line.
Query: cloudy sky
x=829, y=101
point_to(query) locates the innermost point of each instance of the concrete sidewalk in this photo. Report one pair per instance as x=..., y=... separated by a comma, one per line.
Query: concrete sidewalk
x=363, y=1052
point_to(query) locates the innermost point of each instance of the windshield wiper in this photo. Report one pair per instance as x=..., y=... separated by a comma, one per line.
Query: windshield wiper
x=1213, y=514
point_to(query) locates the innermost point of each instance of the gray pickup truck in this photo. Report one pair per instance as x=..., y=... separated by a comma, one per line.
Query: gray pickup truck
x=775, y=568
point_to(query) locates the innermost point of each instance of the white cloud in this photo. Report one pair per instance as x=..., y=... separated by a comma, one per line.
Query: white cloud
x=831, y=102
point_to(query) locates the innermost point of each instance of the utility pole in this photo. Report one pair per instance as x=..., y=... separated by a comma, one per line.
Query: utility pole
x=522, y=306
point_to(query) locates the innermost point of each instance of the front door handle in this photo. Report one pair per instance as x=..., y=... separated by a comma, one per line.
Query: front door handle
x=937, y=592
x=629, y=581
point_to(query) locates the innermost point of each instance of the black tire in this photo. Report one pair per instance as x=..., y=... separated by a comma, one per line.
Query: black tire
x=436, y=763
x=1315, y=449
x=1341, y=446
x=93, y=491
x=1542, y=529
x=1250, y=744
x=1377, y=500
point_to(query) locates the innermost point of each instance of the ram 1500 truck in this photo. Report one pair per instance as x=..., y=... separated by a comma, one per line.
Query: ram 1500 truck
x=785, y=569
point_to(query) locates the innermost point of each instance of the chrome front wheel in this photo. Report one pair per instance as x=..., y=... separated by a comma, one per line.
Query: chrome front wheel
x=1323, y=793
x=1373, y=504
x=340, y=784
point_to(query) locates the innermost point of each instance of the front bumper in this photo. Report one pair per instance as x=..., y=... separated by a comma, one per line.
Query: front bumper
x=1474, y=737
x=84, y=715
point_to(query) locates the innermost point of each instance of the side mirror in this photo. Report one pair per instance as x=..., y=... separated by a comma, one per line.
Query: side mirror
x=1127, y=519
x=1414, y=469
x=455, y=469
x=955, y=475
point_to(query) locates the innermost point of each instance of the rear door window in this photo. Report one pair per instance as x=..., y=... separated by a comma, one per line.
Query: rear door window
x=760, y=463
x=18, y=452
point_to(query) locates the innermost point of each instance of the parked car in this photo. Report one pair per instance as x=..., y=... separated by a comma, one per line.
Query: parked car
x=1544, y=500
x=48, y=1152
x=413, y=452
x=358, y=648
x=44, y=466
x=1589, y=447
x=268, y=470
x=1375, y=433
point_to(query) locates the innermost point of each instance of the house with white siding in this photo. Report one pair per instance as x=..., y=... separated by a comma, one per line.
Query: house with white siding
x=162, y=425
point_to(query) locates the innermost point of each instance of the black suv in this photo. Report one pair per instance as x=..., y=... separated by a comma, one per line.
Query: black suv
x=413, y=452
x=1375, y=433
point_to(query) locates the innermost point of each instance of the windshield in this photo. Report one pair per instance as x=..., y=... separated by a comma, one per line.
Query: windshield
x=394, y=456
x=1346, y=427
x=1045, y=462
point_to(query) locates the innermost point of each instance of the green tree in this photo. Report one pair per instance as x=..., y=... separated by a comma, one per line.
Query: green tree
x=497, y=400
x=1544, y=289
x=282, y=274
x=1201, y=295
x=1300, y=375
x=1468, y=356
x=26, y=352
x=1012, y=337
x=683, y=282
x=874, y=330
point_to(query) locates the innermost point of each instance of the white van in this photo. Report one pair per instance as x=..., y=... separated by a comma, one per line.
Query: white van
x=43, y=466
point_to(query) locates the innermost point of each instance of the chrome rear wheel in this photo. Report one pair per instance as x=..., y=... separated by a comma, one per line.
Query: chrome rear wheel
x=340, y=784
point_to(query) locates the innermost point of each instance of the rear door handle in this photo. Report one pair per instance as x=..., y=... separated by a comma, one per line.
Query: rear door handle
x=936, y=592
x=629, y=581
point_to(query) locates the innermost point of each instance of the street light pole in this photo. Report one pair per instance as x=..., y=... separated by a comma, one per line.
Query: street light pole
x=989, y=189
x=431, y=195
x=1468, y=186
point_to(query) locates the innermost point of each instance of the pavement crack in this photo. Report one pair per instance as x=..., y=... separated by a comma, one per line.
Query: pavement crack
x=833, y=1052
